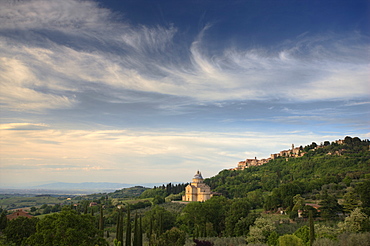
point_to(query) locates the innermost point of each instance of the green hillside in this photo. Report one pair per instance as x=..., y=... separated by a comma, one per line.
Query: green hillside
x=332, y=166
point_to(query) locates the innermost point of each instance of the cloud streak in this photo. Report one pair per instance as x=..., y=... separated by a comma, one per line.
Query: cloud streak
x=121, y=151
x=123, y=57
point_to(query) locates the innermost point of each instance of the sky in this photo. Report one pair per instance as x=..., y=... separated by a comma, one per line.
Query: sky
x=151, y=91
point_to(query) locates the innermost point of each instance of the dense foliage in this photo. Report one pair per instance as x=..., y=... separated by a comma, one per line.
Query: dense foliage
x=66, y=228
x=128, y=192
x=333, y=167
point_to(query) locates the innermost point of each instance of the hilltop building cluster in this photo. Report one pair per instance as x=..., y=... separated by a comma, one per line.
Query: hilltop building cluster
x=293, y=152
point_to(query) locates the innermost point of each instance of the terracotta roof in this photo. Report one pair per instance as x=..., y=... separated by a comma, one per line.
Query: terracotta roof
x=18, y=213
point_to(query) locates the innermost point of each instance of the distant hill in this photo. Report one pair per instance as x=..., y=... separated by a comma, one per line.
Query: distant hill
x=82, y=186
x=128, y=192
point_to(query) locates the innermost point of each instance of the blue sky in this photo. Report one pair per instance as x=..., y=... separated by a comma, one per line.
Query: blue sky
x=151, y=91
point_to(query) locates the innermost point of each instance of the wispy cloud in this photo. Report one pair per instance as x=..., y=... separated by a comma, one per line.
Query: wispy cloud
x=23, y=126
x=52, y=51
x=122, y=151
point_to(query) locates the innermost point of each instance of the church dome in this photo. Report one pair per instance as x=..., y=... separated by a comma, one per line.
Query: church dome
x=198, y=175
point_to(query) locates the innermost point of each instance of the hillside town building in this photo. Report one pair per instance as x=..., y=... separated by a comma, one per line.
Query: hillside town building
x=293, y=152
x=197, y=191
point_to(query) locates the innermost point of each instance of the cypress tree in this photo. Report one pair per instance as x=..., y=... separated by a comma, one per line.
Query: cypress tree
x=160, y=224
x=121, y=226
x=3, y=220
x=119, y=230
x=150, y=233
x=128, y=227
x=312, y=228
x=101, y=219
x=140, y=233
x=136, y=232
x=118, y=225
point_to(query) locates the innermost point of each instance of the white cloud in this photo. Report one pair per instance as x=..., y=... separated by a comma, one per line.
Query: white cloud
x=134, y=155
x=17, y=86
x=23, y=126
x=41, y=73
x=68, y=15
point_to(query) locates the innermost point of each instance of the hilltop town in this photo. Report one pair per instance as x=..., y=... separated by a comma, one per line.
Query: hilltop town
x=293, y=152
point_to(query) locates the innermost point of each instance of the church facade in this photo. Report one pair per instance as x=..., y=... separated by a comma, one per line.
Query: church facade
x=197, y=191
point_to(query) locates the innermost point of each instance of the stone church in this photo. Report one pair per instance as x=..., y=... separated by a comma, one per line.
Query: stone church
x=197, y=191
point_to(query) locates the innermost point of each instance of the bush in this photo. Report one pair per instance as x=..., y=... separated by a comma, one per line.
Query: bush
x=203, y=243
x=174, y=237
x=158, y=200
x=324, y=242
x=354, y=239
x=290, y=240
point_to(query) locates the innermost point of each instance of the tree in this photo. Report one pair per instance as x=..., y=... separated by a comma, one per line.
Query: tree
x=329, y=207
x=356, y=222
x=312, y=227
x=116, y=242
x=351, y=200
x=290, y=240
x=307, y=209
x=140, y=232
x=243, y=225
x=348, y=140
x=298, y=202
x=101, y=219
x=261, y=230
x=283, y=195
x=3, y=220
x=56, y=208
x=272, y=240
x=160, y=219
x=18, y=230
x=214, y=212
x=153, y=193
x=363, y=189
x=158, y=200
x=202, y=242
x=323, y=231
x=66, y=228
x=238, y=210
x=47, y=210
x=119, y=225
x=304, y=234
x=173, y=237
x=128, y=227
x=138, y=237
x=255, y=198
